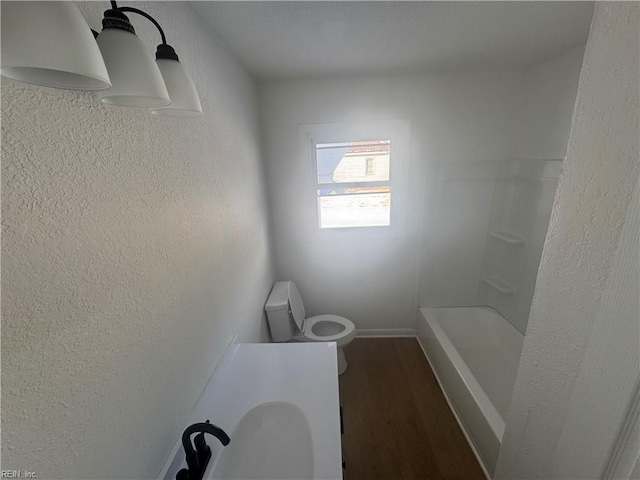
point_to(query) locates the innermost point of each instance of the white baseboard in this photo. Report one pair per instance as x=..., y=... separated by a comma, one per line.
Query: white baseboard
x=385, y=332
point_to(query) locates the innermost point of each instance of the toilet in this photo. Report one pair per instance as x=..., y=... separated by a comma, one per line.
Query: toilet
x=287, y=322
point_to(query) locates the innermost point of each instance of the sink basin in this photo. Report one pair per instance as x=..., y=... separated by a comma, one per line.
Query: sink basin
x=271, y=441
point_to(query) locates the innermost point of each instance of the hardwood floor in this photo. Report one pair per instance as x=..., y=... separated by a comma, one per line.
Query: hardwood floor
x=397, y=424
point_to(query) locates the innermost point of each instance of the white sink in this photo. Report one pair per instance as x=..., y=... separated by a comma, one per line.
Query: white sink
x=271, y=441
x=279, y=404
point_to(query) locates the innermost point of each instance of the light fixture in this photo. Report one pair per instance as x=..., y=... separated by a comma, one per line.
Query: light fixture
x=136, y=79
x=50, y=44
x=126, y=58
x=184, y=96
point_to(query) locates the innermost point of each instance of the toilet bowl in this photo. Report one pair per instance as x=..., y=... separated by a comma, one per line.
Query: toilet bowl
x=287, y=322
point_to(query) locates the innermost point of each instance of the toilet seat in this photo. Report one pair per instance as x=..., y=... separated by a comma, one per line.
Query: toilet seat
x=345, y=336
x=287, y=322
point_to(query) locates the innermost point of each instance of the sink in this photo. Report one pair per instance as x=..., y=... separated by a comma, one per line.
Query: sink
x=271, y=441
x=281, y=424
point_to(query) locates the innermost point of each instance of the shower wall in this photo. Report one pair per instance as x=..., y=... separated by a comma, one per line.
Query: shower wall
x=492, y=220
x=522, y=202
x=456, y=228
x=485, y=221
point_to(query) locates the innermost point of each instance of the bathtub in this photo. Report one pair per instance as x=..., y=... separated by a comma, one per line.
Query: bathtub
x=474, y=353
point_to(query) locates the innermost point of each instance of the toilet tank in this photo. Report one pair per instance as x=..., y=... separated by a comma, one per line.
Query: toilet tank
x=281, y=322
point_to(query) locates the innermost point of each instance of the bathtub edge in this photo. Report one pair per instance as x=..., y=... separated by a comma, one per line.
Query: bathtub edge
x=421, y=318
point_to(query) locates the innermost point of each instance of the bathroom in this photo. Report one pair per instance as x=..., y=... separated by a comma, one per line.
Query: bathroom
x=136, y=247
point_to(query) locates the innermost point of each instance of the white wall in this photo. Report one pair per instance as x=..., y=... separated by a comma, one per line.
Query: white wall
x=456, y=227
x=463, y=125
x=134, y=247
x=579, y=365
x=549, y=97
x=454, y=117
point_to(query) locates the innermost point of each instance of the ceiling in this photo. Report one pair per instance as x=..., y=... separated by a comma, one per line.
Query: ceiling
x=303, y=39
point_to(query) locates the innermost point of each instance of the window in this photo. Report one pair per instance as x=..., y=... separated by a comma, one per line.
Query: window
x=350, y=192
x=371, y=167
x=357, y=178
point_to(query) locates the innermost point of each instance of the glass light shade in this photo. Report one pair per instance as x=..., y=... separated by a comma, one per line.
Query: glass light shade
x=50, y=44
x=135, y=77
x=184, y=96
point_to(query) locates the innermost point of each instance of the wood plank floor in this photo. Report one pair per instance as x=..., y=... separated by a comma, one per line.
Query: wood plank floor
x=397, y=424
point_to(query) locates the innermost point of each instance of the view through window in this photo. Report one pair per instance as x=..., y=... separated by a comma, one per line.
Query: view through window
x=353, y=184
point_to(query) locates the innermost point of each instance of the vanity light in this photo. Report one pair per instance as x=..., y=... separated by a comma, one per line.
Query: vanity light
x=135, y=78
x=57, y=46
x=184, y=96
x=50, y=44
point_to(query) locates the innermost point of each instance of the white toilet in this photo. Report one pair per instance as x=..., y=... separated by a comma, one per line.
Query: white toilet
x=287, y=322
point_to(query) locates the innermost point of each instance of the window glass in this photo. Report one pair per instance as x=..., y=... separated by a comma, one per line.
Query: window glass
x=353, y=181
x=353, y=161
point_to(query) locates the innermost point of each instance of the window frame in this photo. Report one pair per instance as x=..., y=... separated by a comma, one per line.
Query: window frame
x=397, y=132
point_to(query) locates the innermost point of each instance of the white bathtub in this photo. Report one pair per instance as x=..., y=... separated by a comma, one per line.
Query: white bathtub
x=474, y=353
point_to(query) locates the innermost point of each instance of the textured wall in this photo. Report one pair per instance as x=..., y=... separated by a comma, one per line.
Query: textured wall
x=133, y=248
x=580, y=356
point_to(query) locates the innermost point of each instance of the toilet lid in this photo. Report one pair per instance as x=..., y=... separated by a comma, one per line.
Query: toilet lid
x=297, y=308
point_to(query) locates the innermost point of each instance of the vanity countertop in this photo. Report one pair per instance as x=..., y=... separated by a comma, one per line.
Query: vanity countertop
x=249, y=374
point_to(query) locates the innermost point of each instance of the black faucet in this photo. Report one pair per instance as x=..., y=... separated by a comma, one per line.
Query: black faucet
x=198, y=459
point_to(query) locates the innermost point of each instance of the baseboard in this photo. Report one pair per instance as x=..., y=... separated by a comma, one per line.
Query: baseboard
x=386, y=332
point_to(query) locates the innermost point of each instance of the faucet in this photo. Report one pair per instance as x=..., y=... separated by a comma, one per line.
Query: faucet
x=198, y=459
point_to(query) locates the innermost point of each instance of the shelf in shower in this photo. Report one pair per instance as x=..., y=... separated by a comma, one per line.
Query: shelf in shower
x=499, y=285
x=509, y=238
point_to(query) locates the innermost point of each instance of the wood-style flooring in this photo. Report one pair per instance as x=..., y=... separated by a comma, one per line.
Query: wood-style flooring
x=397, y=424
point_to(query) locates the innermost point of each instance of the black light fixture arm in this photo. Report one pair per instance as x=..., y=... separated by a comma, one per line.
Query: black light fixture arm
x=145, y=15
x=164, y=51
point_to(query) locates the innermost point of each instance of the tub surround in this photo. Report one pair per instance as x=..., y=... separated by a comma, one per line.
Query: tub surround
x=492, y=220
x=250, y=375
x=522, y=200
x=485, y=217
